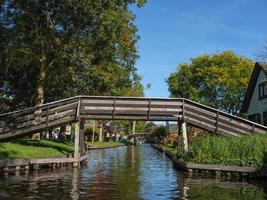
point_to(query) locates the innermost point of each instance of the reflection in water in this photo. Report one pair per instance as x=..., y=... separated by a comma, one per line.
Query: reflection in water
x=124, y=173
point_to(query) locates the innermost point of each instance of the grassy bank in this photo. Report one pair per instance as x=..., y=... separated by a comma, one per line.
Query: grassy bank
x=169, y=148
x=34, y=149
x=250, y=150
x=104, y=144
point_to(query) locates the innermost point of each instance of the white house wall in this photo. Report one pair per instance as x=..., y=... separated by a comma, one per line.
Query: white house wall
x=256, y=105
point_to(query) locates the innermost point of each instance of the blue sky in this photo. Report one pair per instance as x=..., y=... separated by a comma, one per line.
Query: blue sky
x=173, y=31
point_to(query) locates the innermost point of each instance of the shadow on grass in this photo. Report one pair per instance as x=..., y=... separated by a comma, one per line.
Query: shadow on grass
x=58, y=145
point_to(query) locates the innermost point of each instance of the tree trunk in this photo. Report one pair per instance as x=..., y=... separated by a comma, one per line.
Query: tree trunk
x=40, y=94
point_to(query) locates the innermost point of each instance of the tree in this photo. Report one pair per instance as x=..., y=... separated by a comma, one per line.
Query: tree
x=159, y=132
x=57, y=49
x=218, y=80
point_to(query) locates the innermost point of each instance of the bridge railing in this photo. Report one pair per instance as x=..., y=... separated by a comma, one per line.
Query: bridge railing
x=121, y=108
x=217, y=121
x=35, y=119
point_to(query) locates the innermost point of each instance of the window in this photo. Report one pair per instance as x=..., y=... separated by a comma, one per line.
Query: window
x=265, y=118
x=262, y=90
x=255, y=118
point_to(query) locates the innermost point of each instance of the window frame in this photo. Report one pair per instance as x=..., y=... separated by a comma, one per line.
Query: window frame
x=262, y=90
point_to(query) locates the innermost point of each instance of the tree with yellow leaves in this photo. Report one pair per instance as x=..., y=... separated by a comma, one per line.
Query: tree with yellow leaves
x=218, y=80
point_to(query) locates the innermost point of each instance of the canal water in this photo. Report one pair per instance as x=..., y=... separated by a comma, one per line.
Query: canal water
x=134, y=172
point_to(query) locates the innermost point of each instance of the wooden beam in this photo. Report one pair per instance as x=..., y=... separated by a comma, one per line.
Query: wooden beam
x=185, y=139
x=77, y=139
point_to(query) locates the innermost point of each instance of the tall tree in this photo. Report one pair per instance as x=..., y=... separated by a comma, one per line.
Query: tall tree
x=218, y=80
x=54, y=49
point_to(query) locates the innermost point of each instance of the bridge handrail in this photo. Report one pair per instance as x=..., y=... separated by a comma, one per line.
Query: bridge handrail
x=170, y=109
x=36, y=107
x=225, y=113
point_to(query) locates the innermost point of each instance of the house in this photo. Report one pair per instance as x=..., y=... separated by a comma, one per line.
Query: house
x=255, y=101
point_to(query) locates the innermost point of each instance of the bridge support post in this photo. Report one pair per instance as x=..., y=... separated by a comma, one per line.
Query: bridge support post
x=82, y=150
x=79, y=141
x=185, y=140
x=100, y=139
x=182, y=141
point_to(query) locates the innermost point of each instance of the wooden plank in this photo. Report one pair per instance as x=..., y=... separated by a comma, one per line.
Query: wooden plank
x=233, y=117
x=200, y=112
x=225, y=168
x=137, y=118
x=239, y=125
x=85, y=108
x=37, y=128
x=58, y=103
x=100, y=112
x=97, y=105
x=225, y=131
x=33, y=109
x=42, y=120
x=129, y=108
x=17, y=120
x=199, y=124
x=60, y=109
x=56, y=160
x=170, y=103
x=14, y=163
x=199, y=109
x=200, y=118
x=233, y=127
x=17, y=113
x=97, y=101
x=149, y=109
x=59, y=115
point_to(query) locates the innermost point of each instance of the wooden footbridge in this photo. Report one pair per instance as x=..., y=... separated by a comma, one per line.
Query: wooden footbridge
x=77, y=109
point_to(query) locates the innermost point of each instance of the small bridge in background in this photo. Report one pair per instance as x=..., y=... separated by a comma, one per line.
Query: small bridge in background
x=77, y=109
x=128, y=137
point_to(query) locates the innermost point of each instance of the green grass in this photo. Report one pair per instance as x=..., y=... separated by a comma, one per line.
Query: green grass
x=104, y=144
x=250, y=150
x=169, y=148
x=34, y=149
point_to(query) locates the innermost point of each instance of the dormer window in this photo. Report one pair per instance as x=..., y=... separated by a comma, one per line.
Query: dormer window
x=262, y=90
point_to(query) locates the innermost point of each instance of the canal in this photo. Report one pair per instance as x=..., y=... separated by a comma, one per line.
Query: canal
x=134, y=172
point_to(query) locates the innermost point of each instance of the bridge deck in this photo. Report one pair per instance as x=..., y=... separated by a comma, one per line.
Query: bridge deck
x=36, y=119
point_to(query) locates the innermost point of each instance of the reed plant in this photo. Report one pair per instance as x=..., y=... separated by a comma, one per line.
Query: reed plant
x=249, y=150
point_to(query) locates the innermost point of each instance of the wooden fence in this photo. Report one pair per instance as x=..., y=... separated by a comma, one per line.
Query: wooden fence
x=54, y=114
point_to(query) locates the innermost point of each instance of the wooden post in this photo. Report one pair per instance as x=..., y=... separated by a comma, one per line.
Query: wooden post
x=134, y=122
x=77, y=143
x=179, y=144
x=82, y=138
x=93, y=137
x=185, y=141
x=77, y=140
x=101, y=133
x=184, y=132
